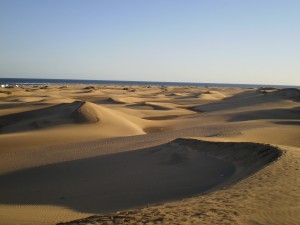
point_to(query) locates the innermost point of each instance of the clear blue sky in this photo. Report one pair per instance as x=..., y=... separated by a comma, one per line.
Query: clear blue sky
x=224, y=41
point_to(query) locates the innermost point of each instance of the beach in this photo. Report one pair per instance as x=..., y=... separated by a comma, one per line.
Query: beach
x=130, y=154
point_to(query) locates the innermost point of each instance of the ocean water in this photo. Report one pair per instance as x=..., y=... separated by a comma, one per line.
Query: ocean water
x=30, y=81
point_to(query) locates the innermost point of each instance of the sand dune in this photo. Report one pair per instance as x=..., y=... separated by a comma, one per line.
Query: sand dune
x=248, y=99
x=130, y=99
x=287, y=93
x=212, y=95
x=85, y=113
x=109, y=100
x=148, y=105
x=256, y=200
x=171, y=155
x=269, y=114
x=126, y=180
x=67, y=113
x=39, y=118
x=169, y=117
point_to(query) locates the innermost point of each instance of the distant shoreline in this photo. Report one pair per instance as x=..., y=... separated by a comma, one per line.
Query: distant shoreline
x=32, y=81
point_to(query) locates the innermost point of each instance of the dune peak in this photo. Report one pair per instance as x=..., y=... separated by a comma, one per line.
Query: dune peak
x=85, y=113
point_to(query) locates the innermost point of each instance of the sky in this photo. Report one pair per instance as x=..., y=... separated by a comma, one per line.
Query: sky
x=214, y=41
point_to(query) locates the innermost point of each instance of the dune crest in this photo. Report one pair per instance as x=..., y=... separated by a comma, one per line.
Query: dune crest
x=85, y=113
x=289, y=93
x=148, y=106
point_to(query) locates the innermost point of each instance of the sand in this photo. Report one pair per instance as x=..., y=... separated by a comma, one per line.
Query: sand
x=137, y=154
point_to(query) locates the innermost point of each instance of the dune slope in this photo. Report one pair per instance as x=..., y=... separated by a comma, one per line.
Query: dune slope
x=178, y=169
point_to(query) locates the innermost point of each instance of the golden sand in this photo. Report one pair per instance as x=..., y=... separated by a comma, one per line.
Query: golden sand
x=138, y=154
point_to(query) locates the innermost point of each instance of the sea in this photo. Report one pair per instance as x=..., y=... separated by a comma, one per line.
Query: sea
x=40, y=82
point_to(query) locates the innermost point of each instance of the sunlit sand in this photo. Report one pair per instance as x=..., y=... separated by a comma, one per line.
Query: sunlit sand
x=149, y=154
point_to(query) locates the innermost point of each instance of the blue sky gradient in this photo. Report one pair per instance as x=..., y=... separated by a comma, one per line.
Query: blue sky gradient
x=223, y=41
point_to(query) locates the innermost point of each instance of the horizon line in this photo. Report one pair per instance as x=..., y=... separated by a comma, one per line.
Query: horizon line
x=148, y=81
